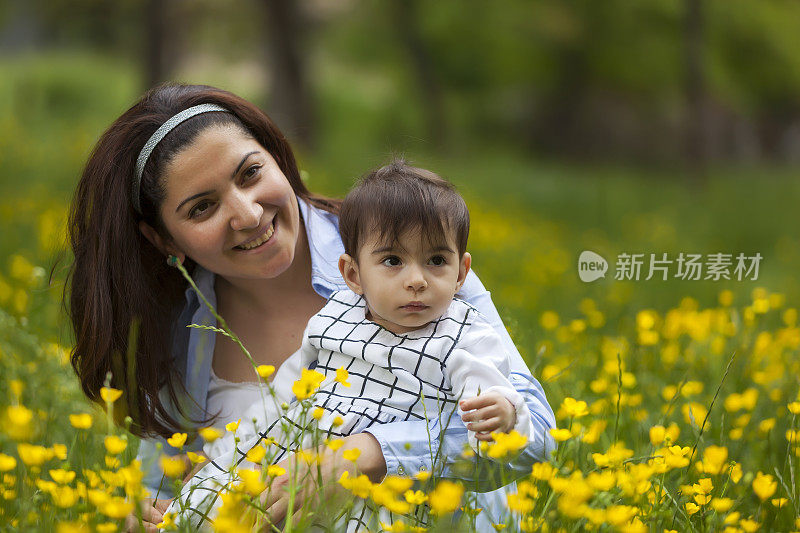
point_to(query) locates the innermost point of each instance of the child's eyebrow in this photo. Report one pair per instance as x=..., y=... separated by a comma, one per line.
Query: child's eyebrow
x=383, y=249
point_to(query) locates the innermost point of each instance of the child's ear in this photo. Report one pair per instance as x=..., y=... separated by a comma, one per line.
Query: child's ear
x=463, y=270
x=161, y=244
x=349, y=269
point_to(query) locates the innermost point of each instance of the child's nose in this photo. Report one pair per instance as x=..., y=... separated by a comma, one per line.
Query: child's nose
x=416, y=280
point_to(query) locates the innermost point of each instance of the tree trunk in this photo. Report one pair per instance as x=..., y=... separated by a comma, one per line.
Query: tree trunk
x=290, y=97
x=696, y=108
x=407, y=23
x=155, y=54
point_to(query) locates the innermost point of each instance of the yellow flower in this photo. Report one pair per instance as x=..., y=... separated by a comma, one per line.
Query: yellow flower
x=764, y=486
x=62, y=477
x=694, y=413
x=7, y=462
x=18, y=422
x=337, y=421
x=309, y=382
x=766, y=425
x=34, y=455
x=117, y=507
x=542, y=471
x=70, y=527
x=736, y=472
x=335, y=444
x=233, y=426
x=794, y=408
x=351, y=455
x=714, y=458
x=275, y=471
x=251, y=482
x=506, y=443
x=657, y=435
x=96, y=497
x=167, y=520
x=318, y=413
x=177, y=440
x=574, y=407
x=60, y=451
x=779, y=502
x=560, y=435
x=691, y=508
x=748, y=525
x=256, y=454
x=115, y=445
x=446, y=497
x=359, y=486
x=423, y=475
x=81, y=420
x=210, y=434
x=110, y=395
x=64, y=496
x=172, y=466
x=520, y=504
x=341, y=376
x=415, y=497
x=549, y=320
x=195, y=458
x=265, y=371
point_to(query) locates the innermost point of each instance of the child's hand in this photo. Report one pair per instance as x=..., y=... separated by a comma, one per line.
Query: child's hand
x=488, y=412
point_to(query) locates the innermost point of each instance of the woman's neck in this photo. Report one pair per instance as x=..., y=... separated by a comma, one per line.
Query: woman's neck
x=265, y=295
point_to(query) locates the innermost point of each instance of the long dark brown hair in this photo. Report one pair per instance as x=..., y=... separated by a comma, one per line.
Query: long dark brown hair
x=123, y=298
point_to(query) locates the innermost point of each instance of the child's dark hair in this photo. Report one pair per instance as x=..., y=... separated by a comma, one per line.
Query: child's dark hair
x=397, y=198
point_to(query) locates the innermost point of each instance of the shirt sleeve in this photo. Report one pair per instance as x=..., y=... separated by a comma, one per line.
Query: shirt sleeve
x=409, y=447
x=478, y=365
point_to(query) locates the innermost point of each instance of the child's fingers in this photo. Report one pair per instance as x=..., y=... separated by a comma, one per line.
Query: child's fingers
x=478, y=401
x=481, y=414
x=485, y=426
x=484, y=436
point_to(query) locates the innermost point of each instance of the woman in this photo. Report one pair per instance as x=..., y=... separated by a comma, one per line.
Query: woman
x=217, y=187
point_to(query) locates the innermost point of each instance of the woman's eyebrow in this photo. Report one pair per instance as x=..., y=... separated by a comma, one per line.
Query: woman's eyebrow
x=233, y=175
x=192, y=197
x=242, y=162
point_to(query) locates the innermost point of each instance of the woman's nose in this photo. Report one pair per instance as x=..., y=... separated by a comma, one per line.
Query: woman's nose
x=246, y=211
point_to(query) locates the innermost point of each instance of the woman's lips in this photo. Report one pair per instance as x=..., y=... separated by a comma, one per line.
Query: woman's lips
x=256, y=242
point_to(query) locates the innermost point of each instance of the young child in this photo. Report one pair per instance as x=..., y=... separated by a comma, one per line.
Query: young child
x=411, y=350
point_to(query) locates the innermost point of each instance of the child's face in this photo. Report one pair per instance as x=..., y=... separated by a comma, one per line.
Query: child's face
x=406, y=284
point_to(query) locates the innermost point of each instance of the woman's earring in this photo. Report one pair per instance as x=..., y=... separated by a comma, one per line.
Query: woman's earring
x=172, y=260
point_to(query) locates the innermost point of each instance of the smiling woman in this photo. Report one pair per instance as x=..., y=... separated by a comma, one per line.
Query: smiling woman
x=200, y=174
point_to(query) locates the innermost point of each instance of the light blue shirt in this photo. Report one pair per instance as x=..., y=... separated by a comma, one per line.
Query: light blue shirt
x=409, y=446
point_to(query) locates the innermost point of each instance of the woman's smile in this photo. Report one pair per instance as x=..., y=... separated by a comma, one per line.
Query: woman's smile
x=263, y=237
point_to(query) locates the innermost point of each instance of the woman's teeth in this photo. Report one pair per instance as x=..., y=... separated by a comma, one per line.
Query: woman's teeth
x=258, y=242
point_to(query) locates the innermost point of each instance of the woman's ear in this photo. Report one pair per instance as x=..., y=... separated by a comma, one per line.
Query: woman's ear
x=161, y=244
x=349, y=269
x=463, y=270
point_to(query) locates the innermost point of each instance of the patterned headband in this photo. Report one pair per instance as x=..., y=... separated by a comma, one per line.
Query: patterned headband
x=157, y=137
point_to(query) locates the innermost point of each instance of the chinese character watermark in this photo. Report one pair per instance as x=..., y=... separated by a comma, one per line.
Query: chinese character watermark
x=685, y=266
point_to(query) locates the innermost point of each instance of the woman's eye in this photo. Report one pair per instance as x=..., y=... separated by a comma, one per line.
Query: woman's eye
x=438, y=260
x=391, y=261
x=199, y=209
x=251, y=172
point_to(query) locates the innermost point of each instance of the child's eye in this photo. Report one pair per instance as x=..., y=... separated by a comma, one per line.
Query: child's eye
x=199, y=209
x=391, y=261
x=438, y=260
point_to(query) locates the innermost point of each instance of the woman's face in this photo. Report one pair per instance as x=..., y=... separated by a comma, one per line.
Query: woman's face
x=229, y=207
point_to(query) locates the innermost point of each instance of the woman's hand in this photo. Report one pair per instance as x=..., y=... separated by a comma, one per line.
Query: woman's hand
x=488, y=412
x=152, y=514
x=370, y=462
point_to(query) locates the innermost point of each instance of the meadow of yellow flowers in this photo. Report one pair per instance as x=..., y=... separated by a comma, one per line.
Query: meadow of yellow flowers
x=682, y=419
x=677, y=403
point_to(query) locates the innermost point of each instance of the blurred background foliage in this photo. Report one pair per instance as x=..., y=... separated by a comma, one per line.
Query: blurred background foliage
x=660, y=126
